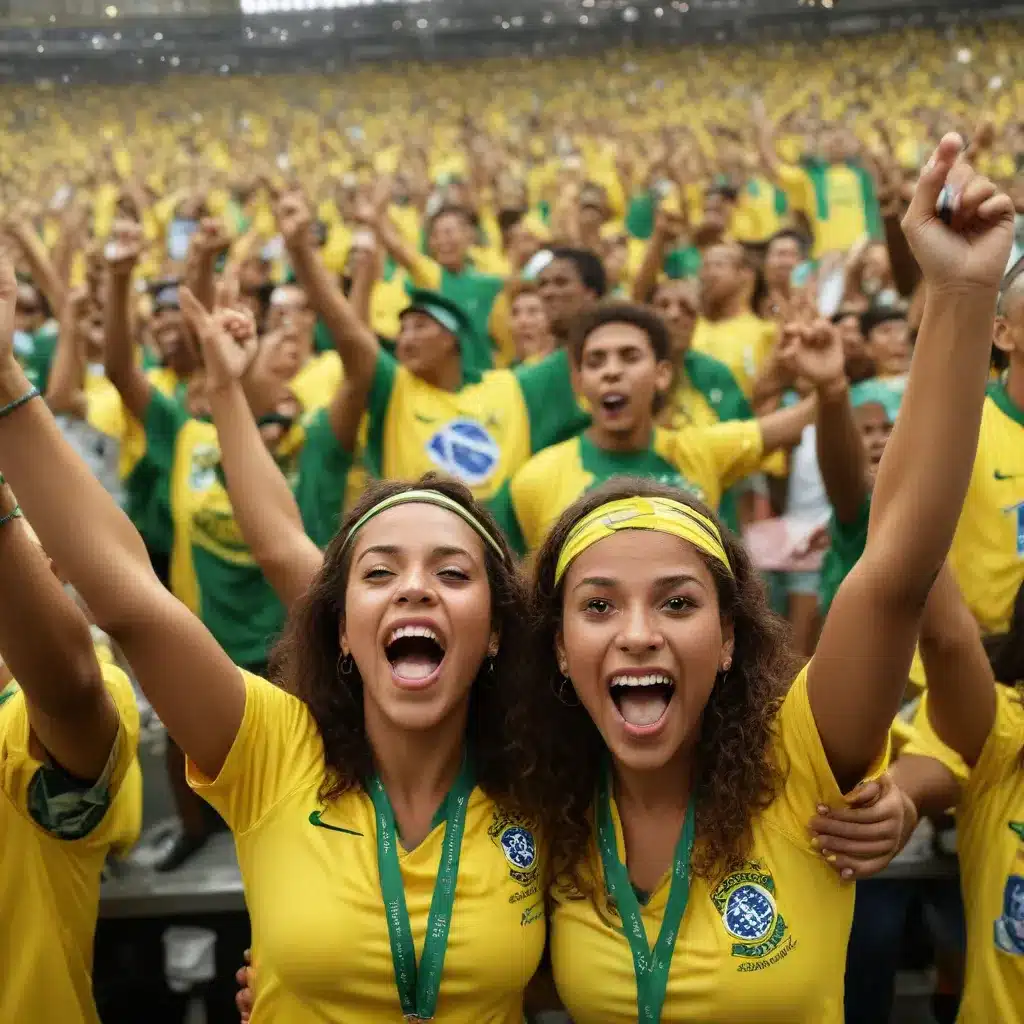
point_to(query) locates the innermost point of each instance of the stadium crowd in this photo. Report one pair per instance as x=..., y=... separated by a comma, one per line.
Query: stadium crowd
x=595, y=485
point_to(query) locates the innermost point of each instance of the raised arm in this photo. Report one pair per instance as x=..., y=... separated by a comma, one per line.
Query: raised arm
x=196, y=690
x=65, y=389
x=261, y=499
x=122, y=369
x=859, y=672
x=961, y=684
x=46, y=643
x=355, y=342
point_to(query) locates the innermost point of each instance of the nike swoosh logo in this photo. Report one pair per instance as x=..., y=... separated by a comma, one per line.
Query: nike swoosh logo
x=314, y=819
x=430, y=421
x=1018, y=827
x=1006, y=476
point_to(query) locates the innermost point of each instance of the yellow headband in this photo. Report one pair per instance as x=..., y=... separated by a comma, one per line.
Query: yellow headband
x=661, y=514
x=425, y=497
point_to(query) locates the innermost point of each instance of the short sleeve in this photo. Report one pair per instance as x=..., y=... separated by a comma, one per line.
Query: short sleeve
x=277, y=750
x=164, y=420
x=105, y=411
x=736, y=449
x=426, y=273
x=503, y=508
x=809, y=778
x=323, y=478
x=550, y=401
x=999, y=763
x=60, y=805
x=385, y=376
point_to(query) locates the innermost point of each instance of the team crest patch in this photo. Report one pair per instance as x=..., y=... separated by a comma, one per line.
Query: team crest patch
x=515, y=838
x=463, y=448
x=202, y=474
x=1009, y=927
x=746, y=901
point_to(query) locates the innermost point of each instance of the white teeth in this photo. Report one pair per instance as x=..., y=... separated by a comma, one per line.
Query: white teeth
x=655, y=679
x=397, y=634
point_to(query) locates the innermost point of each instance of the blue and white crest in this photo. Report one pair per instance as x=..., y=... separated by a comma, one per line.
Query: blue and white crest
x=463, y=448
x=1009, y=929
x=519, y=848
x=749, y=913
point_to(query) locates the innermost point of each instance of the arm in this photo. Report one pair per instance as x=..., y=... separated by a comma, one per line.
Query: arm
x=119, y=354
x=196, y=690
x=667, y=228
x=65, y=389
x=47, y=645
x=44, y=274
x=961, y=685
x=784, y=428
x=855, y=688
x=355, y=342
x=208, y=244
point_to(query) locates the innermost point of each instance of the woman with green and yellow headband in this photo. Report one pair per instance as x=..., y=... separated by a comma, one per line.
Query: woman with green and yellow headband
x=693, y=753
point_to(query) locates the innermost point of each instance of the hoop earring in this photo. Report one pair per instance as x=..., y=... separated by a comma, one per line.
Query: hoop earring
x=345, y=666
x=490, y=666
x=560, y=693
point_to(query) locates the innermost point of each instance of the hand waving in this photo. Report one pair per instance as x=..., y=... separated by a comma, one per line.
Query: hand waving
x=972, y=250
x=227, y=339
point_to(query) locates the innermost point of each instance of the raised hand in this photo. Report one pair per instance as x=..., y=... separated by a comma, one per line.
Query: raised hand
x=212, y=239
x=124, y=249
x=814, y=351
x=227, y=338
x=972, y=250
x=294, y=219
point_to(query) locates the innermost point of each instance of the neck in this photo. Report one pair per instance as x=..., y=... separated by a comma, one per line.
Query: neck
x=664, y=790
x=637, y=439
x=5, y=675
x=1015, y=382
x=724, y=310
x=447, y=376
x=417, y=766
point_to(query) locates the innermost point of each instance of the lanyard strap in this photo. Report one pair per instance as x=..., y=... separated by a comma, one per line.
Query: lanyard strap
x=418, y=988
x=650, y=967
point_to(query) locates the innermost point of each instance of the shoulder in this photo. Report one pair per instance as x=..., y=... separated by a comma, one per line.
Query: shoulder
x=539, y=467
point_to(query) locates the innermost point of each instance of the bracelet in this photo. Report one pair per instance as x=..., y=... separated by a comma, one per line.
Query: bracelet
x=33, y=392
x=15, y=513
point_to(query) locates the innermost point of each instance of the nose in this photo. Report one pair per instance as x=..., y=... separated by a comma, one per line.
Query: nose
x=414, y=587
x=638, y=635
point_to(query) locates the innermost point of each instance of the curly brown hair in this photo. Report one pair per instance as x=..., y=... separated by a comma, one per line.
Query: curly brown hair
x=306, y=663
x=737, y=774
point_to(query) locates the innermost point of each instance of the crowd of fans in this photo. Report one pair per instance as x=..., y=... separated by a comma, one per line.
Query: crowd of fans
x=245, y=301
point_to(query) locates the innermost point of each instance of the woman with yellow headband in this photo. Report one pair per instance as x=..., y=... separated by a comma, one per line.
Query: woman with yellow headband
x=383, y=796
x=692, y=755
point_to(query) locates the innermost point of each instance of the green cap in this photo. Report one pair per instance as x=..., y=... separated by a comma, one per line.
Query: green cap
x=876, y=391
x=450, y=315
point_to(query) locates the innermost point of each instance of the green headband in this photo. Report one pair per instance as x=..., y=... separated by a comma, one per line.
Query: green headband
x=425, y=497
x=444, y=316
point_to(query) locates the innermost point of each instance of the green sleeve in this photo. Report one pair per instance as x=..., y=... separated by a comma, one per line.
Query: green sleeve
x=164, y=419
x=38, y=362
x=550, y=401
x=503, y=509
x=322, y=479
x=322, y=340
x=640, y=216
x=384, y=376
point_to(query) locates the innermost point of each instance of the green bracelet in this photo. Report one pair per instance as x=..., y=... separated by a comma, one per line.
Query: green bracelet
x=33, y=392
x=15, y=513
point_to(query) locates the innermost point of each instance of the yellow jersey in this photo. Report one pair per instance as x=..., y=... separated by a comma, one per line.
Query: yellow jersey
x=702, y=460
x=987, y=556
x=742, y=342
x=990, y=842
x=320, y=934
x=480, y=434
x=318, y=381
x=59, y=835
x=765, y=943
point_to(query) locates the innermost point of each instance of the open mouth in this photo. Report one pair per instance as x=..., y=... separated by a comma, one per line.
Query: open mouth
x=642, y=700
x=614, y=403
x=415, y=653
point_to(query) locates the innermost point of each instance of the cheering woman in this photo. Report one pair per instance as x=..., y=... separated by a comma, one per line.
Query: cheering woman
x=381, y=799
x=691, y=759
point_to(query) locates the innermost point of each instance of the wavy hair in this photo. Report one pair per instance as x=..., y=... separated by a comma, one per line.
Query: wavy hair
x=306, y=662
x=737, y=774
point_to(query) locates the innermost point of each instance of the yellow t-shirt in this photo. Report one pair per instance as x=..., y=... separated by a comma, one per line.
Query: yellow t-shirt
x=480, y=434
x=703, y=460
x=49, y=898
x=318, y=381
x=742, y=342
x=987, y=556
x=846, y=221
x=764, y=944
x=320, y=935
x=990, y=842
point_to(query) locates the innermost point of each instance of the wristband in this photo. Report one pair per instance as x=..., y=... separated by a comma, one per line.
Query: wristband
x=15, y=513
x=33, y=392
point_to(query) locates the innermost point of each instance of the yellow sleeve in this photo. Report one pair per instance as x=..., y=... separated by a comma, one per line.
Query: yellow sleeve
x=499, y=326
x=107, y=813
x=425, y=273
x=1000, y=760
x=809, y=778
x=923, y=742
x=798, y=188
x=277, y=749
x=105, y=411
x=526, y=502
x=736, y=449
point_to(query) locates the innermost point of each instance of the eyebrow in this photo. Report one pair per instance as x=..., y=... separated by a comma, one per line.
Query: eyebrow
x=393, y=550
x=662, y=583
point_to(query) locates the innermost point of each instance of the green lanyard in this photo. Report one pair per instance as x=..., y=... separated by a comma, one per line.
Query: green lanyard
x=418, y=988
x=651, y=967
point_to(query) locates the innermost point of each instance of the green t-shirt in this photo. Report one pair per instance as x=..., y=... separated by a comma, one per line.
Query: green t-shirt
x=212, y=569
x=35, y=352
x=847, y=545
x=475, y=293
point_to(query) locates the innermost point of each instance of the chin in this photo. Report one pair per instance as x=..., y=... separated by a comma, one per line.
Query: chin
x=659, y=744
